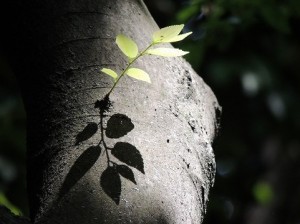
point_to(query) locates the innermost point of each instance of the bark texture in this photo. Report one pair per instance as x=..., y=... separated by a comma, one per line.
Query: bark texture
x=161, y=166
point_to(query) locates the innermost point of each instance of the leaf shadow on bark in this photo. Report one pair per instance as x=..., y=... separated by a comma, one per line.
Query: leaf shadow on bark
x=81, y=166
x=86, y=133
x=126, y=154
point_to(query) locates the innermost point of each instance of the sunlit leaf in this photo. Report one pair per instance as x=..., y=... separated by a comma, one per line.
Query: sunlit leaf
x=167, y=33
x=110, y=72
x=167, y=52
x=128, y=154
x=138, y=74
x=177, y=38
x=127, y=46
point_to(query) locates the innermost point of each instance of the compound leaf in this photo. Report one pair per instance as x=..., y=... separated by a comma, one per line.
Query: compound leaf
x=110, y=72
x=138, y=74
x=127, y=46
x=167, y=52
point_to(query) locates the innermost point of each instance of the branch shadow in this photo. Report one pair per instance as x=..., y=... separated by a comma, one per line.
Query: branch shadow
x=118, y=125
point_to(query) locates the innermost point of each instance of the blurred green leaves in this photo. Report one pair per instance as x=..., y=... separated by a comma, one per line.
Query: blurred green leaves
x=12, y=142
x=248, y=52
x=263, y=193
x=5, y=202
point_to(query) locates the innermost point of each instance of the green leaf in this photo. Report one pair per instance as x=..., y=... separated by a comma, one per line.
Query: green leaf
x=166, y=33
x=186, y=13
x=263, y=193
x=110, y=72
x=177, y=38
x=138, y=74
x=167, y=52
x=5, y=202
x=127, y=46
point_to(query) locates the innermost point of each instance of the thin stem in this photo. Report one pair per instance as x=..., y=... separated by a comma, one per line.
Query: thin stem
x=128, y=66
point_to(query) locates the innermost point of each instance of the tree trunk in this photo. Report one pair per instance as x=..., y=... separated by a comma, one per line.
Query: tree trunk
x=148, y=159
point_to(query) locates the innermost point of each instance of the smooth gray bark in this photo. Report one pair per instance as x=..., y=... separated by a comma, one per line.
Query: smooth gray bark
x=62, y=47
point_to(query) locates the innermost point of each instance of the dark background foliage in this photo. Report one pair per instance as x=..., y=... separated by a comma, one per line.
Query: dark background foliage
x=249, y=54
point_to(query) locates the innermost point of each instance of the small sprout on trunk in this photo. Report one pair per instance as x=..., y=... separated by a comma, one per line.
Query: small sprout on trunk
x=129, y=48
